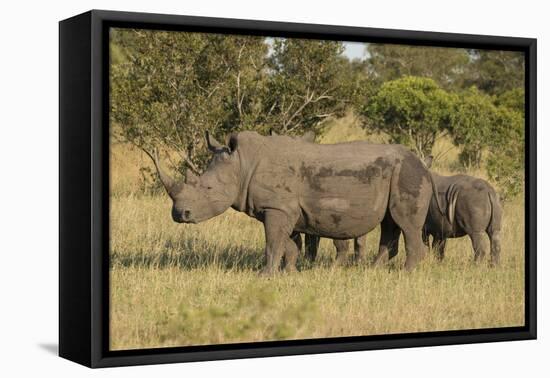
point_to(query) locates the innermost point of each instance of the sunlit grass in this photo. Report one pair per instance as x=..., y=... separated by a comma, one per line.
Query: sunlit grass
x=198, y=284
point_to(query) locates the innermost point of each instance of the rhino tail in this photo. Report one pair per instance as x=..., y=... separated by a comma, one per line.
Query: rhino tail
x=452, y=197
x=435, y=194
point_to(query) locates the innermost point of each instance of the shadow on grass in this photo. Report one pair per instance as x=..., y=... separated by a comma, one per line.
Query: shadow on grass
x=188, y=254
x=228, y=258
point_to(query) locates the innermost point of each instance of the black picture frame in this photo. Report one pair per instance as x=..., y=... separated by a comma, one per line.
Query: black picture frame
x=84, y=189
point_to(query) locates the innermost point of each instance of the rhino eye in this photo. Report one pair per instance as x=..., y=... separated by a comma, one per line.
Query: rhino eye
x=208, y=187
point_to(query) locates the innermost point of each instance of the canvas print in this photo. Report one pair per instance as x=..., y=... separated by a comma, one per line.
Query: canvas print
x=266, y=188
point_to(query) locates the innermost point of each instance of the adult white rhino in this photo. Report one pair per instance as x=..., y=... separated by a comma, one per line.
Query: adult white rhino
x=339, y=191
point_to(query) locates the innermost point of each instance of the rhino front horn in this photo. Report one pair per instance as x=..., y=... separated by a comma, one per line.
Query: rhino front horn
x=167, y=181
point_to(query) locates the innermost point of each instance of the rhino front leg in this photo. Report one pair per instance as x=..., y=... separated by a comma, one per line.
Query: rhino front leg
x=342, y=247
x=277, y=237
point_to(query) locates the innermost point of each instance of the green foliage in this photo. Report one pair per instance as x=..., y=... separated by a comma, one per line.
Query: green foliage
x=471, y=122
x=478, y=125
x=514, y=99
x=506, y=161
x=444, y=65
x=241, y=318
x=309, y=82
x=168, y=88
x=495, y=71
x=413, y=111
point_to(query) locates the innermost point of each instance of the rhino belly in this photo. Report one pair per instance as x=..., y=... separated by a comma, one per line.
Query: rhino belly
x=343, y=218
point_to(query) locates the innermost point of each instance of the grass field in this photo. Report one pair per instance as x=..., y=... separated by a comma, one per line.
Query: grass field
x=174, y=285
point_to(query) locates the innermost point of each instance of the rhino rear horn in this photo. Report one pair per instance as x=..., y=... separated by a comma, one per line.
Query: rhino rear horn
x=309, y=136
x=428, y=160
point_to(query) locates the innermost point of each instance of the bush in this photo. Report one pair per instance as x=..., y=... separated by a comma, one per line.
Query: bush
x=412, y=110
x=506, y=161
x=474, y=115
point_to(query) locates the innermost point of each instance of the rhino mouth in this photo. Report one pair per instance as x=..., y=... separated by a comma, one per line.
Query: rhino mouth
x=182, y=216
x=185, y=221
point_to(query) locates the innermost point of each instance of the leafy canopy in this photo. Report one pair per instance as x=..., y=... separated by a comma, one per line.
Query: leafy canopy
x=413, y=111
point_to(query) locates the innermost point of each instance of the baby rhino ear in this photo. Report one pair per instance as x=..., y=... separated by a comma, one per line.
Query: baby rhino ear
x=309, y=136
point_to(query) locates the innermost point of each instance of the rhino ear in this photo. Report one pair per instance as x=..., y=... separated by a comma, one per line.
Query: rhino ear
x=191, y=177
x=428, y=161
x=309, y=136
x=213, y=144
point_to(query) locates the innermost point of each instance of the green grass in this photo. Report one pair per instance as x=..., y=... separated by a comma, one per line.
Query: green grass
x=174, y=285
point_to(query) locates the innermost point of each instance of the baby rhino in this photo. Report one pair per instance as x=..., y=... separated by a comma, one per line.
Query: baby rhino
x=472, y=208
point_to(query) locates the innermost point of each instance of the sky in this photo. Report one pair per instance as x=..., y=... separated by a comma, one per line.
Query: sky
x=352, y=50
x=355, y=50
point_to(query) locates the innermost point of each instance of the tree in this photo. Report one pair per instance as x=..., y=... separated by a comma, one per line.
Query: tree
x=304, y=86
x=472, y=120
x=506, y=161
x=479, y=124
x=496, y=71
x=513, y=99
x=357, y=86
x=444, y=65
x=168, y=88
x=413, y=111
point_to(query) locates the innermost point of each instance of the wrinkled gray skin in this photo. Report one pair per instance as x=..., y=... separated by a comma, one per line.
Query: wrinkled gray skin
x=312, y=241
x=472, y=208
x=340, y=191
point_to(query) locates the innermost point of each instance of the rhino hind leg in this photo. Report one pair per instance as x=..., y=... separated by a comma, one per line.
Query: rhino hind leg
x=415, y=248
x=389, y=241
x=478, y=245
x=494, y=238
x=439, y=247
x=410, y=194
x=493, y=231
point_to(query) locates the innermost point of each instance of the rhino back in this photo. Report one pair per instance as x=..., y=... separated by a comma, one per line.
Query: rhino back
x=338, y=191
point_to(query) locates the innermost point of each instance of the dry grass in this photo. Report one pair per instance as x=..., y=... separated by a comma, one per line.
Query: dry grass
x=174, y=285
